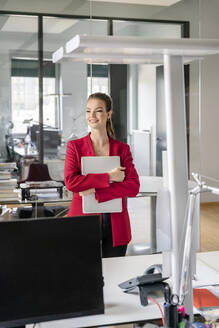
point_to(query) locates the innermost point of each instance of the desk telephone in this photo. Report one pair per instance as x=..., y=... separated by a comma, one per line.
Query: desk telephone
x=151, y=280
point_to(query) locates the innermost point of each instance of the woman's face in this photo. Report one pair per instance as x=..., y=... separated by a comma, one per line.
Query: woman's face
x=96, y=114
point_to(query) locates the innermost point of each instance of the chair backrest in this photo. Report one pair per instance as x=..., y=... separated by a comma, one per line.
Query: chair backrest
x=38, y=172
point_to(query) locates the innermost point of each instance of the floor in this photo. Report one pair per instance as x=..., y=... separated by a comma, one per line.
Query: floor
x=209, y=227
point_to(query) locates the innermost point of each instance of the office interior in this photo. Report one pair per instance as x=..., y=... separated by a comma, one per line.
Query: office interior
x=43, y=104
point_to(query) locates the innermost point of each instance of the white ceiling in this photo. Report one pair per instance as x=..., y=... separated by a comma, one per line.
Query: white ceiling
x=144, y=2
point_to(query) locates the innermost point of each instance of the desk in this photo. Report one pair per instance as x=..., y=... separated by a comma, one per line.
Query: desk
x=37, y=206
x=40, y=201
x=149, y=187
x=35, y=185
x=120, y=307
x=21, y=152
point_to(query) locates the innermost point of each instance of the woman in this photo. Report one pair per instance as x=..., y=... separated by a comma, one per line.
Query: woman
x=121, y=182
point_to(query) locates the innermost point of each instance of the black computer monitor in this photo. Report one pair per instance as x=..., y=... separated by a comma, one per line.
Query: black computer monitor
x=51, y=136
x=50, y=268
x=34, y=129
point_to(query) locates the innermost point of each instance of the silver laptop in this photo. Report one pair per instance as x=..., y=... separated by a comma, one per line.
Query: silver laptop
x=100, y=164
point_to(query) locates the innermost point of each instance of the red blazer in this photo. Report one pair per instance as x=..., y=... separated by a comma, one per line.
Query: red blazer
x=76, y=182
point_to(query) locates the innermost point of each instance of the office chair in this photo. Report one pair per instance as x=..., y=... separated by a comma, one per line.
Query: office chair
x=34, y=171
x=38, y=172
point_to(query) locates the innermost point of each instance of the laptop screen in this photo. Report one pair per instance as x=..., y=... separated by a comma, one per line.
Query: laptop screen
x=50, y=269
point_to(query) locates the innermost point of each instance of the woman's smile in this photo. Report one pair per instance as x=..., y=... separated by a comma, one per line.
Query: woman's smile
x=93, y=121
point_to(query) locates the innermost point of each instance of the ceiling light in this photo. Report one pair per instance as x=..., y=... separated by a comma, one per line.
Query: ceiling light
x=132, y=50
x=144, y=2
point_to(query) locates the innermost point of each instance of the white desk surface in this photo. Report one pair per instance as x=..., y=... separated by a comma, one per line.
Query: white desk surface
x=21, y=151
x=151, y=184
x=121, y=307
x=211, y=259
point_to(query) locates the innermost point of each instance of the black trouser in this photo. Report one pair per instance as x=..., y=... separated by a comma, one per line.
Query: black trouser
x=107, y=240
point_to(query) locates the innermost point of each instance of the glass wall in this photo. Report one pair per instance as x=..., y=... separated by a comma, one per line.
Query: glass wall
x=18, y=91
x=73, y=81
x=66, y=85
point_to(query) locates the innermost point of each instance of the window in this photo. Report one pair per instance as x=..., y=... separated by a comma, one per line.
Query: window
x=97, y=80
x=25, y=93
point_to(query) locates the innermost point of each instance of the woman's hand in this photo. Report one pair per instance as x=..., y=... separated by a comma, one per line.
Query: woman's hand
x=117, y=174
x=87, y=192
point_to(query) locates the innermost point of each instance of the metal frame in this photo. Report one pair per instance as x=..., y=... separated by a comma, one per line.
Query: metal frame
x=184, y=32
x=40, y=76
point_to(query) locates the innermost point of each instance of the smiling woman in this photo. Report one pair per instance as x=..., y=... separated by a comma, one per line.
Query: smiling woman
x=121, y=182
x=99, y=111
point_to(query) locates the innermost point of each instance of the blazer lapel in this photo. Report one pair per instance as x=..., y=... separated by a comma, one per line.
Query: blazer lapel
x=90, y=146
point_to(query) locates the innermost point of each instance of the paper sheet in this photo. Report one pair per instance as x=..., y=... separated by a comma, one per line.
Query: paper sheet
x=206, y=276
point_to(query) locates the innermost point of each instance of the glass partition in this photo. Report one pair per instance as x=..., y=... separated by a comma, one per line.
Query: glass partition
x=18, y=82
x=72, y=81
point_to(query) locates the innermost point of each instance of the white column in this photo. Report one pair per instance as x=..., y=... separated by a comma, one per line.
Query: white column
x=176, y=157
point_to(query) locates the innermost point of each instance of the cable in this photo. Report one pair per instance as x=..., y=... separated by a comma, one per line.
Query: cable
x=91, y=16
x=61, y=213
x=162, y=314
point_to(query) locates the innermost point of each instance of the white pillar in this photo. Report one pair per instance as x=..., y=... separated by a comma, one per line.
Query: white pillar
x=176, y=157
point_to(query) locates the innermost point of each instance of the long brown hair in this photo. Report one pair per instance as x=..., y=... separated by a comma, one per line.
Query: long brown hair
x=109, y=106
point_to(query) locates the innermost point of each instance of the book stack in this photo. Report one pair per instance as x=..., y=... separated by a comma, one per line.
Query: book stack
x=7, y=183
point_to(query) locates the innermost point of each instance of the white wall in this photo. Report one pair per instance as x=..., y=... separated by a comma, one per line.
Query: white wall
x=209, y=122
